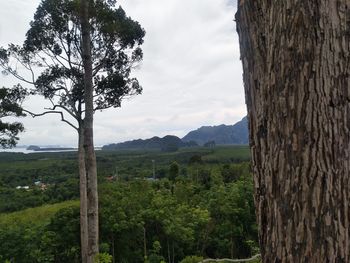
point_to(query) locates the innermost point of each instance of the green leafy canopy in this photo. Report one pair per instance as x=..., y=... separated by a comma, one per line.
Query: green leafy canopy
x=10, y=100
x=53, y=48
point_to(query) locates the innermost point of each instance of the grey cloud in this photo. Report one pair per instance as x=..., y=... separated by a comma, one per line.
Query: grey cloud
x=191, y=73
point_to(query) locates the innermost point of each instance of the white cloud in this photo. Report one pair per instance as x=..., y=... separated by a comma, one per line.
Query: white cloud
x=191, y=73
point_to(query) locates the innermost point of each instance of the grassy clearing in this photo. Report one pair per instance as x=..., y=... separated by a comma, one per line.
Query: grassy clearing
x=228, y=154
x=37, y=215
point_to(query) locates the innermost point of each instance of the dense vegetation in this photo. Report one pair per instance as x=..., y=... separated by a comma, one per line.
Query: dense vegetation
x=199, y=205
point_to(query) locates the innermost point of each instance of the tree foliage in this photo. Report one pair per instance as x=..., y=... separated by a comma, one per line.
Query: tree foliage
x=52, y=54
x=214, y=223
x=10, y=100
x=84, y=52
x=186, y=217
x=174, y=171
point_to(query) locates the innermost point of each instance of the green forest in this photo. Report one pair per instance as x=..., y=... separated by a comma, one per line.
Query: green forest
x=203, y=198
x=154, y=206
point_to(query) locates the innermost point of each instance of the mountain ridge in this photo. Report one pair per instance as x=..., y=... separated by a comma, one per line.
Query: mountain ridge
x=167, y=143
x=220, y=134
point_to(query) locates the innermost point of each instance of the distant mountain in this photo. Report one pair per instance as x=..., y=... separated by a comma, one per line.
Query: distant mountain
x=222, y=134
x=167, y=143
x=219, y=135
x=46, y=149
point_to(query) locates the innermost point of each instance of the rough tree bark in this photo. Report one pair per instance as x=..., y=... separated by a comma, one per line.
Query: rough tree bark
x=83, y=196
x=90, y=157
x=296, y=62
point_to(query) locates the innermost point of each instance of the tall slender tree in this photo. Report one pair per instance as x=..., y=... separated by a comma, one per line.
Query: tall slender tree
x=295, y=57
x=84, y=52
x=90, y=157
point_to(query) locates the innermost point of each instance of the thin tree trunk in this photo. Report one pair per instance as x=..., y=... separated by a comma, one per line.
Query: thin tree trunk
x=83, y=197
x=173, y=251
x=90, y=158
x=231, y=246
x=113, y=249
x=208, y=230
x=144, y=243
x=296, y=62
x=168, y=250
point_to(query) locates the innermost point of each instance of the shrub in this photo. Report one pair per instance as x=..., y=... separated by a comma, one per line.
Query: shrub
x=191, y=259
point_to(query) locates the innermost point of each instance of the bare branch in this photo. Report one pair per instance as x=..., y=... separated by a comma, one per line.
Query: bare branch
x=14, y=73
x=49, y=112
x=43, y=60
x=103, y=108
x=54, y=106
x=54, y=59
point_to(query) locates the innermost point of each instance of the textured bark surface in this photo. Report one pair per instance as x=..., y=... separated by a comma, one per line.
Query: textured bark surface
x=83, y=197
x=296, y=62
x=90, y=157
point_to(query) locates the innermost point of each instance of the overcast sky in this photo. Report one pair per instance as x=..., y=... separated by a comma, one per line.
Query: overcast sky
x=191, y=73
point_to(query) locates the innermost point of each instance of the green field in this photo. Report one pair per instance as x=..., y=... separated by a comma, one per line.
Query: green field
x=33, y=216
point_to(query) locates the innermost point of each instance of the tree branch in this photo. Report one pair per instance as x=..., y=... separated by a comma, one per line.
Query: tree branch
x=49, y=112
x=54, y=106
x=7, y=68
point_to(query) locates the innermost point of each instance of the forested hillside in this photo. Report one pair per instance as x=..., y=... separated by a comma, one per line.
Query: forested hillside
x=236, y=134
x=167, y=143
x=222, y=134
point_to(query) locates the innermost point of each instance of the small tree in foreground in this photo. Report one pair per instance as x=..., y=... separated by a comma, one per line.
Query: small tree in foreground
x=84, y=52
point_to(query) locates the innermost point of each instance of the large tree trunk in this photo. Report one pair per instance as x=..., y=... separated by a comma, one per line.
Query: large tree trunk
x=83, y=196
x=296, y=62
x=90, y=158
